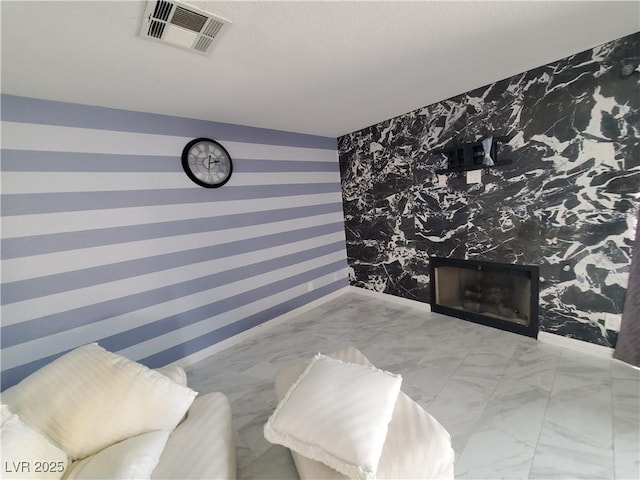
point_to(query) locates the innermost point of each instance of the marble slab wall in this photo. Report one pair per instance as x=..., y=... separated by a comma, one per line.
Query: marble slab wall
x=567, y=203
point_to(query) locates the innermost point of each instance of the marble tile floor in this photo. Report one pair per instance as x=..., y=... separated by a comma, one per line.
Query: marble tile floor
x=515, y=408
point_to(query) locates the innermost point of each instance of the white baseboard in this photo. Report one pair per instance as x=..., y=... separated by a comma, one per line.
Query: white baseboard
x=544, y=337
x=577, y=345
x=425, y=307
x=258, y=329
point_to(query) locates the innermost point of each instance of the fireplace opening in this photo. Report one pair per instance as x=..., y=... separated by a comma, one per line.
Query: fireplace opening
x=495, y=294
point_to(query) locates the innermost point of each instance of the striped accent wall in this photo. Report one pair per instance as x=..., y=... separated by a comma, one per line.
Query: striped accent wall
x=105, y=239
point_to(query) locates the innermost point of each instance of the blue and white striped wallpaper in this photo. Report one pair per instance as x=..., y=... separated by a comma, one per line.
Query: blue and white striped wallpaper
x=104, y=238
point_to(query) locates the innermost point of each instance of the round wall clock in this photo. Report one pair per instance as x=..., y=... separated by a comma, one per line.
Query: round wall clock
x=207, y=163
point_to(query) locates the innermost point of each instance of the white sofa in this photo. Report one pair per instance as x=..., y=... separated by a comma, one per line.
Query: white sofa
x=202, y=446
x=95, y=414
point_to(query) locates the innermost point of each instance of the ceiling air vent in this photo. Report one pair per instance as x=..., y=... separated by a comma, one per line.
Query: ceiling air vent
x=181, y=25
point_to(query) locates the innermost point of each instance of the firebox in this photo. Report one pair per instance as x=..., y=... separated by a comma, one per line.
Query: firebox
x=498, y=295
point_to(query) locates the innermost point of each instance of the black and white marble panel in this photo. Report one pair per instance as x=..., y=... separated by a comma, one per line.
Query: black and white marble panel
x=567, y=203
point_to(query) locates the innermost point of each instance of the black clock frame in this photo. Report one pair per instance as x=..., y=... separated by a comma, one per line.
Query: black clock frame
x=190, y=174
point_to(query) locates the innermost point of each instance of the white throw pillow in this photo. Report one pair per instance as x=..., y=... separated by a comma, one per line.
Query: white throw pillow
x=90, y=398
x=5, y=414
x=337, y=413
x=26, y=453
x=175, y=373
x=133, y=458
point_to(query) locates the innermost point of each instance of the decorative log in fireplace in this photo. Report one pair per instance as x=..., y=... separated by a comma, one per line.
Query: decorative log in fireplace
x=499, y=295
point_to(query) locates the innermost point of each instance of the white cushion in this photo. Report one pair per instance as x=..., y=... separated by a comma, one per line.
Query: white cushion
x=26, y=453
x=5, y=414
x=337, y=413
x=133, y=458
x=89, y=399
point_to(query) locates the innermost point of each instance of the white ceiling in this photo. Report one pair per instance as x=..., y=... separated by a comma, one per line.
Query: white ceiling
x=326, y=68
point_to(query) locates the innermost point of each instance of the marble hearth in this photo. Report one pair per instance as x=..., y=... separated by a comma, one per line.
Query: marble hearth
x=498, y=295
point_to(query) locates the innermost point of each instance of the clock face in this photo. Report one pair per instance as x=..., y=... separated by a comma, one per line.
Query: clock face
x=207, y=163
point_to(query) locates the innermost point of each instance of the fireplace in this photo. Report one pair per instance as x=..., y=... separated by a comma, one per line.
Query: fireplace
x=499, y=295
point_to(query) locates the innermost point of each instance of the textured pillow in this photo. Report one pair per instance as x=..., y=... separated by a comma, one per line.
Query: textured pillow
x=5, y=414
x=135, y=457
x=26, y=453
x=90, y=398
x=337, y=413
x=175, y=373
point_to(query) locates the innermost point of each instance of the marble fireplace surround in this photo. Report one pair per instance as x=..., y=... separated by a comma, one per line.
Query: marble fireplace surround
x=567, y=203
x=499, y=295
